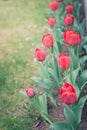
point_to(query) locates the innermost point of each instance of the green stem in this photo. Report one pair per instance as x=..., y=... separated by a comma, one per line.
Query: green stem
x=71, y=73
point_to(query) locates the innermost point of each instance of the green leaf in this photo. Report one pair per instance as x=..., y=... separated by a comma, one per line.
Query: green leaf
x=85, y=48
x=83, y=43
x=84, y=39
x=43, y=102
x=47, y=117
x=82, y=26
x=54, y=77
x=70, y=116
x=77, y=108
x=45, y=84
x=40, y=103
x=83, y=59
x=75, y=74
x=54, y=66
x=74, y=59
x=84, y=75
x=82, y=79
x=85, y=83
x=43, y=70
x=82, y=101
x=51, y=96
x=59, y=126
x=77, y=7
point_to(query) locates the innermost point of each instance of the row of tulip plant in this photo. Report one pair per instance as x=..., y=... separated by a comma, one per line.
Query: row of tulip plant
x=61, y=64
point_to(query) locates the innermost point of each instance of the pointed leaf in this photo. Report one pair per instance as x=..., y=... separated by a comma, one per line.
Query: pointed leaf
x=74, y=58
x=47, y=117
x=43, y=70
x=77, y=108
x=70, y=116
x=45, y=84
x=43, y=102
x=59, y=126
x=54, y=77
x=83, y=59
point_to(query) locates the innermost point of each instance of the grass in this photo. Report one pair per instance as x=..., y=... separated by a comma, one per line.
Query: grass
x=22, y=24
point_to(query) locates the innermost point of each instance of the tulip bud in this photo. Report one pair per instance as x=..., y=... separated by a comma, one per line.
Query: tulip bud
x=30, y=92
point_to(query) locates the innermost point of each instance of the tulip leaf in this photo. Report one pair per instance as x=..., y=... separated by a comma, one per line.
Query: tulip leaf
x=45, y=84
x=82, y=79
x=77, y=108
x=74, y=59
x=54, y=77
x=43, y=102
x=82, y=101
x=43, y=70
x=70, y=116
x=85, y=48
x=82, y=26
x=75, y=74
x=54, y=66
x=51, y=96
x=83, y=43
x=59, y=126
x=83, y=59
x=47, y=117
x=40, y=103
x=84, y=39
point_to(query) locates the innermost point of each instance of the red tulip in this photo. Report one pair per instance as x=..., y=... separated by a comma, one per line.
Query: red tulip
x=48, y=40
x=63, y=61
x=69, y=8
x=69, y=20
x=68, y=94
x=40, y=54
x=52, y=21
x=72, y=38
x=54, y=5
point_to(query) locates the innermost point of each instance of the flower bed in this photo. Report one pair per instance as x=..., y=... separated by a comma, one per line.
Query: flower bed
x=61, y=70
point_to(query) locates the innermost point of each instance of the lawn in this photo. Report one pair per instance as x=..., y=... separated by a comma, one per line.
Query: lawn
x=22, y=24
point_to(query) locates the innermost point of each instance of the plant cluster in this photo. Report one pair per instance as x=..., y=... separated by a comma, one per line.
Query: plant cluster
x=61, y=63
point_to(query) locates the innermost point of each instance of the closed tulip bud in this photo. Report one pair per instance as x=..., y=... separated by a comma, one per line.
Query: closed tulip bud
x=30, y=92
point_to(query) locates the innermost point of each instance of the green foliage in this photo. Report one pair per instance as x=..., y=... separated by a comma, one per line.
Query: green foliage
x=59, y=126
x=82, y=79
x=40, y=103
x=72, y=115
x=52, y=75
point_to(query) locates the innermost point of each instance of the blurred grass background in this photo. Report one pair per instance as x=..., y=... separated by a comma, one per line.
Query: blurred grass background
x=22, y=24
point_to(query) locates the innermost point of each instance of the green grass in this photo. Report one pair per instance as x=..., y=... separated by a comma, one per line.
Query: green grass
x=22, y=24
